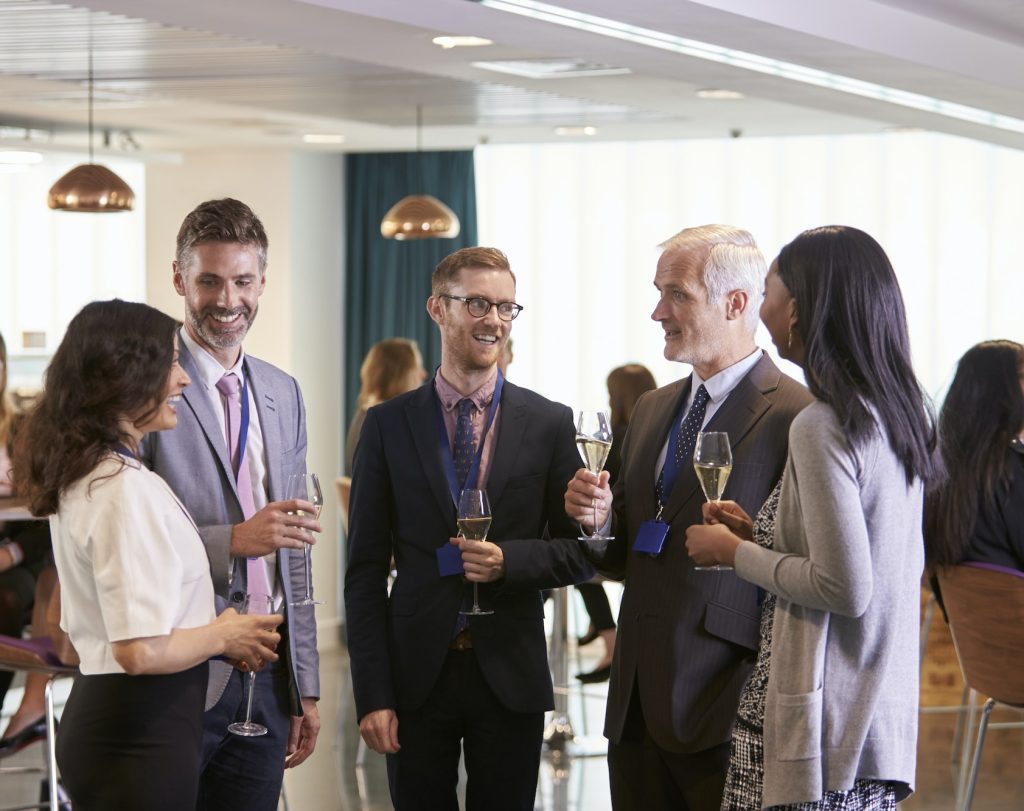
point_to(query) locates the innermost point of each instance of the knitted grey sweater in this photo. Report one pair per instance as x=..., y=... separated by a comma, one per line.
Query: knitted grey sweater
x=843, y=691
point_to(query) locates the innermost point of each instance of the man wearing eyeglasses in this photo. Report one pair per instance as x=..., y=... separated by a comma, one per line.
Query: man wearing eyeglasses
x=428, y=680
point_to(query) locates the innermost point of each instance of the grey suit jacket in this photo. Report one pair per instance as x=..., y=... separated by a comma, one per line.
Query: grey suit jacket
x=193, y=460
x=687, y=638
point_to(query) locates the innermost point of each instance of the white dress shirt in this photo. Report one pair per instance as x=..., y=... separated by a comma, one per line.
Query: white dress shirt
x=130, y=560
x=719, y=387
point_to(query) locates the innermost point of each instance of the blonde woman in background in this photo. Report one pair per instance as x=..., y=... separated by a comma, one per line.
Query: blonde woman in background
x=391, y=367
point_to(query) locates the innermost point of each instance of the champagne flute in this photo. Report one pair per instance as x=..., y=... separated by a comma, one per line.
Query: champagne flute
x=474, y=524
x=594, y=441
x=306, y=486
x=712, y=460
x=254, y=604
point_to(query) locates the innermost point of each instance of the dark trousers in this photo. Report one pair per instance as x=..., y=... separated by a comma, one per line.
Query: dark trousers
x=645, y=777
x=502, y=747
x=246, y=773
x=598, y=609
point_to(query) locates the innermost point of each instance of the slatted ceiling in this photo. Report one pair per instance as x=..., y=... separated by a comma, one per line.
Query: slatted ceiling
x=181, y=80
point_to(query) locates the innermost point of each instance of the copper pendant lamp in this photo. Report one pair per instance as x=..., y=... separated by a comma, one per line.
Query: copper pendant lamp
x=419, y=216
x=90, y=187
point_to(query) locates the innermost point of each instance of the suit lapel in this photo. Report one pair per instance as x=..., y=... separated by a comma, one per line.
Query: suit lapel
x=270, y=427
x=421, y=413
x=508, y=442
x=737, y=416
x=202, y=408
x=664, y=409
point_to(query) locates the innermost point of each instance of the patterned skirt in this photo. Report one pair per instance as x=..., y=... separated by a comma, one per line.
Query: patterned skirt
x=745, y=781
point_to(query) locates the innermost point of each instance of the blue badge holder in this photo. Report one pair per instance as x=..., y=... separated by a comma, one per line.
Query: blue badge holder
x=449, y=560
x=651, y=537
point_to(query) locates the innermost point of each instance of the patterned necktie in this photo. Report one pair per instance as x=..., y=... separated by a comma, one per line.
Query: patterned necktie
x=258, y=583
x=464, y=448
x=686, y=442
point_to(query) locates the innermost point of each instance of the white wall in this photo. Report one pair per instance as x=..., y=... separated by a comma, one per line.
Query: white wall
x=581, y=222
x=299, y=199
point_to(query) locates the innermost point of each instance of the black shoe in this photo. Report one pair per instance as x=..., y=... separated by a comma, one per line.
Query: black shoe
x=595, y=676
x=587, y=638
x=19, y=740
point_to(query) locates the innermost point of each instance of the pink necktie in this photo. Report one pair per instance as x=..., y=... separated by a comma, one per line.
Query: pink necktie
x=230, y=387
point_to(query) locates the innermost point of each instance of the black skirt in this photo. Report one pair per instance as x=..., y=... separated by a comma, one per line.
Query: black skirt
x=133, y=742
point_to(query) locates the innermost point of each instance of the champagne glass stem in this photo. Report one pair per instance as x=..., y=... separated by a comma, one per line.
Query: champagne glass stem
x=248, y=706
x=597, y=529
x=476, y=599
x=306, y=554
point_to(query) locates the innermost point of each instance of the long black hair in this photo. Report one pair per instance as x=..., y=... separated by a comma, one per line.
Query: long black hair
x=982, y=414
x=112, y=365
x=849, y=312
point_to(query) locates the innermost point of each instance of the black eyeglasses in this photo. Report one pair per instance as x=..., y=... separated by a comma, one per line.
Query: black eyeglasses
x=479, y=307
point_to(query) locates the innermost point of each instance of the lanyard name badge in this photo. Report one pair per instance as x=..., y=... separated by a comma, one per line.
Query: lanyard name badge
x=651, y=536
x=449, y=556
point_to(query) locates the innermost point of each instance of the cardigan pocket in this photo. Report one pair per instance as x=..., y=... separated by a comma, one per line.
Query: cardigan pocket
x=798, y=725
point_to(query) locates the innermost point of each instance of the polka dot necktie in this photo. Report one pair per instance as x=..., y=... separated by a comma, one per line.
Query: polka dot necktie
x=464, y=447
x=686, y=442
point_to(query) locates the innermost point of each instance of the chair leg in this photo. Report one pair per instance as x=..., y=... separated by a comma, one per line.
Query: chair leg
x=926, y=627
x=961, y=714
x=51, y=746
x=965, y=746
x=972, y=780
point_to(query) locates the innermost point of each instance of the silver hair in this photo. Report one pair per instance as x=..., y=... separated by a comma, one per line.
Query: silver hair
x=733, y=262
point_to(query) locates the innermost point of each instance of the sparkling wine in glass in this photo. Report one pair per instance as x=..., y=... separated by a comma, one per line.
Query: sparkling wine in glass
x=594, y=441
x=474, y=523
x=254, y=604
x=712, y=460
x=306, y=486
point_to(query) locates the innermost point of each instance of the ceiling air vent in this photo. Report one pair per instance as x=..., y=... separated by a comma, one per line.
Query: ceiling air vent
x=557, y=68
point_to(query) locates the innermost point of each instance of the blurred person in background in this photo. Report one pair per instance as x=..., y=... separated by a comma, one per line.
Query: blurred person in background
x=977, y=514
x=24, y=554
x=626, y=384
x=391, y=367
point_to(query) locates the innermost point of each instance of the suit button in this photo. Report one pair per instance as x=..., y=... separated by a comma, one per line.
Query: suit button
x=237, y=596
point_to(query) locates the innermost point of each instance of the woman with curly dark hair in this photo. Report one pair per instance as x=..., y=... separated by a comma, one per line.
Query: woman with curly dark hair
x=137, y=598
x=978, y=512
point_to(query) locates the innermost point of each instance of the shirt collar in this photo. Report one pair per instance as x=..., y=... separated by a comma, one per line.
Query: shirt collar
x=450, y=398
x=720, y=385
x=209, y=368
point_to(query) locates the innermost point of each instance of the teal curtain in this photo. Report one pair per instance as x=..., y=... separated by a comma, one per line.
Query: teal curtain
x=388, y=281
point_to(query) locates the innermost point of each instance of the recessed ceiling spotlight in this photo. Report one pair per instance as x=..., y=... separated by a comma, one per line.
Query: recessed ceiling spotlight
x=719, y=93
x=577, y=131
x=447, y=42
x=19, y=157
x=322, y=138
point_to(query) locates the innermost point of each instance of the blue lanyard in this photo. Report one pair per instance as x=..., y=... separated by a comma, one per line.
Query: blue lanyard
x=445, y=446
x=124, y=450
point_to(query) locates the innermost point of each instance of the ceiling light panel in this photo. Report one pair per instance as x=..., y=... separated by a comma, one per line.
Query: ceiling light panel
x=745, y=60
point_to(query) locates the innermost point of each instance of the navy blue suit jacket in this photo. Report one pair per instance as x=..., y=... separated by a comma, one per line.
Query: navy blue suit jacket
x=401, y=506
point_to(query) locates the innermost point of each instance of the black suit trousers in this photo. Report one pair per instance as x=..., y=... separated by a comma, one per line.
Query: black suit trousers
x=502, y=747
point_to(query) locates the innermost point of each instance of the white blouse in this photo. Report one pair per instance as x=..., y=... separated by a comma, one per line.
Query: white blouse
x=130, y=560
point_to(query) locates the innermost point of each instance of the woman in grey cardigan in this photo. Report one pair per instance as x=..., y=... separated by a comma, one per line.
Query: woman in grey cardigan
x=840, y=703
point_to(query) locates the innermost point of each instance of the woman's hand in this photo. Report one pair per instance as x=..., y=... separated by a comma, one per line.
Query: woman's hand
x=731, y=515
x=712, y=544
x=249, y=638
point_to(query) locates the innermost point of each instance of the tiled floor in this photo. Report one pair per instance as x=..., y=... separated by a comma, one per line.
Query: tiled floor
x=332, y=779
